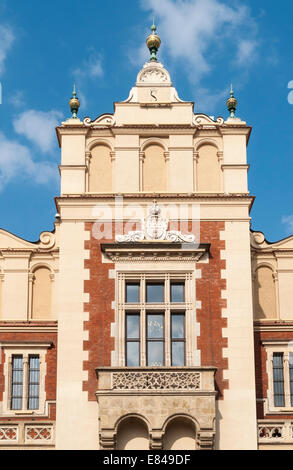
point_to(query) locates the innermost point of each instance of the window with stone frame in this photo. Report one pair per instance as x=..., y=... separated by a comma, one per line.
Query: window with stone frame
x=24, y=371
x=280, y=367
x=156, y=312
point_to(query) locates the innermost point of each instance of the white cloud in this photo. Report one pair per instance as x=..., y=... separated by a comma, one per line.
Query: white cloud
x=16, y=162
x=6, y=41
x=288, y=221
x=90, y=68
x=246, y=52
x=39, y=128
x=17, y=99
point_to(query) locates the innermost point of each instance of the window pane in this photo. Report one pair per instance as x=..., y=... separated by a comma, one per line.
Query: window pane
x=278, y=376
x=177, y=326
x=178, y=353
x=17, y=383
x=155, y=326
x=155, y=353
x=291, y=376
x=177, y=292
x=34, y=381
x=132, y=293
x=132, y=326
x=155, y=293
x=132, y=354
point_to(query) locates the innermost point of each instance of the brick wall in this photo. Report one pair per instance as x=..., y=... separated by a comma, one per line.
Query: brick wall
x=101, y=292
x=209, y=291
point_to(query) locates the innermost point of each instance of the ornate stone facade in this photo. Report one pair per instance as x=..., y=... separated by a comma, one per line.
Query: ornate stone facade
x=173, y=320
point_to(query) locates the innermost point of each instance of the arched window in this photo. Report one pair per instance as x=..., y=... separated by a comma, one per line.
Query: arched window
x=154, y=169
x=100, y=170
x=264, y=294
x=179, y=435
x=42, y=294
x=132, y=434
x=208, y=169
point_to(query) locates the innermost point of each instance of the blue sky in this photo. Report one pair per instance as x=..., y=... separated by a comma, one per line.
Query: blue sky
x=47, y=46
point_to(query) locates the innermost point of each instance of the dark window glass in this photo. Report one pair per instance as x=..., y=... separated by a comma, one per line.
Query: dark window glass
x=155, y=293
x=34, y=383
x=178, y=339
x=291, y=376
x=132, y=293
x=132, y=335
x=17, y=383
x=155, y=339
x=278, y=377
x=177, y=292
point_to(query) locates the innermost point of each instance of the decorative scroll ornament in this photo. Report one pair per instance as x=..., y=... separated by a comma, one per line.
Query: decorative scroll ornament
x=47, y=240
x=204, y=120
x=154, y=227
x=104, y=120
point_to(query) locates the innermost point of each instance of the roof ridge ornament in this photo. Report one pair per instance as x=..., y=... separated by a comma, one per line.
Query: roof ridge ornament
x=155, y=227
x=74, y=103
x=232, y=103
x=153, y=42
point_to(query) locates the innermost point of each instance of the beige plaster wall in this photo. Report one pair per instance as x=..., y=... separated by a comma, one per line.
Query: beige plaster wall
x=286, y=293
x=237, y=412
x=100, y=170
x=42, y=294
x=264, y=294
x=15, y=287
x=77, y=418
x=127, y=170
x=73, y=148
x=154, y=169
x=208, y=170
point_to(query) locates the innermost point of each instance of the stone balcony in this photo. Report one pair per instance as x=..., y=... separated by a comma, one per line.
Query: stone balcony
x=157, y=395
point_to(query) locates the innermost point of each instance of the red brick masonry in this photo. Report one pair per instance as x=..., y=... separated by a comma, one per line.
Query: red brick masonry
x=101, y=292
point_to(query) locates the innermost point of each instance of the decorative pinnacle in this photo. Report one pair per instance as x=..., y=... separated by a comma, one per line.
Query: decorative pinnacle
x=74, y=104
x=232, y=103
x=153, y=42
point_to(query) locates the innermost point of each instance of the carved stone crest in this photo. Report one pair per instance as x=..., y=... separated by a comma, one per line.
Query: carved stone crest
x=155, y=227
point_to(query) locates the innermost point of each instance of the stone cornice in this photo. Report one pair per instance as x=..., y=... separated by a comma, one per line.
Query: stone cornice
x=154, y=250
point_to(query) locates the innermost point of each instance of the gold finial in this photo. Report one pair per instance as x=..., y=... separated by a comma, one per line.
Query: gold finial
x=74, y=104
x=153, y=42
x=232, y=103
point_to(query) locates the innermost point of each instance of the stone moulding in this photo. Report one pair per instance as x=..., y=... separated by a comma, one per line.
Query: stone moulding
x=148, y=251
x=156, y=379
